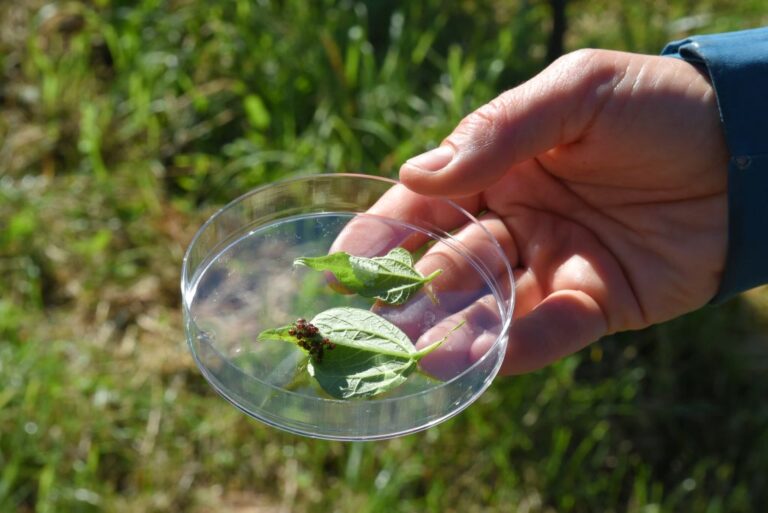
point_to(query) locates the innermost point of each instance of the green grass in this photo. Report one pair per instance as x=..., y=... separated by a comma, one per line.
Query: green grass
x=124, y=124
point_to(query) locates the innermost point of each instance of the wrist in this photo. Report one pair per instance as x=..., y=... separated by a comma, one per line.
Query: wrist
x=738, y=68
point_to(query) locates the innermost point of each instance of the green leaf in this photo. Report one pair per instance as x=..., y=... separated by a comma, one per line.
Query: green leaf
x=256, y=111
x=364, y=330
x=346, y=373
x=371, y=356
x=277, y=334
x=366, y=355
x=391, y=278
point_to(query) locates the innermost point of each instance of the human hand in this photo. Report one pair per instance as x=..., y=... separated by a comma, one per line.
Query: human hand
x=604, y=180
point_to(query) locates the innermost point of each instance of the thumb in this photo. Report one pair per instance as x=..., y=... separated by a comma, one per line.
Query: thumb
x=551, y=109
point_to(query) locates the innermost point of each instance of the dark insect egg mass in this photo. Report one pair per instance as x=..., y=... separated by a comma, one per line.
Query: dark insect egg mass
x=310, y=339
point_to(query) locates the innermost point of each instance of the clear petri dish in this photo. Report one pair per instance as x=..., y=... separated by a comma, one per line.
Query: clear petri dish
x=239, y=279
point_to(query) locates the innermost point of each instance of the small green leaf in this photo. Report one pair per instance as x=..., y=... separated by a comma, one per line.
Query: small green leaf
x=277, y=334
x=391, y=278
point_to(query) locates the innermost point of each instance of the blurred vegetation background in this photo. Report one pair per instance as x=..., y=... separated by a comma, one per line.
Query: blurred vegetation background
x=123, y=124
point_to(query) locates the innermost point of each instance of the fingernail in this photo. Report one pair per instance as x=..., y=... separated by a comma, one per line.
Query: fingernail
x=433, y=160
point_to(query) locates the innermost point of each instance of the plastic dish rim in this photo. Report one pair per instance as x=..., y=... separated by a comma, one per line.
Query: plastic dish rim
x=501, y=338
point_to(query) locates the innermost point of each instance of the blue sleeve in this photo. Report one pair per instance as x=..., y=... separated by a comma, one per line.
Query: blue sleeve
x=737, y=63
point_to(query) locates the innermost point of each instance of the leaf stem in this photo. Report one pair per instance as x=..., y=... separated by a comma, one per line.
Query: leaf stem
x=432, y=276
x=431, y=347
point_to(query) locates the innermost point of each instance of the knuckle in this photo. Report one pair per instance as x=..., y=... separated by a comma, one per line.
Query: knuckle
x=481, y=124
x=583, y=58
x=489, y=115
x=585, y=65
x=587, y=77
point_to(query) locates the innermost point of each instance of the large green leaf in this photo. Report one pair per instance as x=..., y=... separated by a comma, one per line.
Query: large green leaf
x=362, y=354
x=372, y=355
x=364, y=330
x=391, y=278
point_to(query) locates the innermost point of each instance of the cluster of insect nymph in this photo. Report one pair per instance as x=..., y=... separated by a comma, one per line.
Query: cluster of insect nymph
x=310, y=339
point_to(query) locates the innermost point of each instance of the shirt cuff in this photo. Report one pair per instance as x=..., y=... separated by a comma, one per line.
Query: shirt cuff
x=737, y=63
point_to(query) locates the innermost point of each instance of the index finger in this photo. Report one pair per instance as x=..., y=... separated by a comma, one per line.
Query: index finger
x=371, y=235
